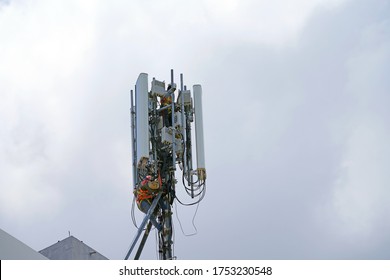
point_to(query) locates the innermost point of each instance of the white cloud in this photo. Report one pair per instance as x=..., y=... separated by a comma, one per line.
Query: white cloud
x=362, y=194
x=273, y=23
x=43, y=51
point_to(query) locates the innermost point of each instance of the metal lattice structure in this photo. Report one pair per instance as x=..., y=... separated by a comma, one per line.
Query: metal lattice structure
x=161, y=126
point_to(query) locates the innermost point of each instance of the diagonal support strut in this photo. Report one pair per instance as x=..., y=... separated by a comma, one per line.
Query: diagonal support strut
x=143, y=241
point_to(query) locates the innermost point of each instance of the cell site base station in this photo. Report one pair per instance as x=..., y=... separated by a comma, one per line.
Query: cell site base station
x=162, y=118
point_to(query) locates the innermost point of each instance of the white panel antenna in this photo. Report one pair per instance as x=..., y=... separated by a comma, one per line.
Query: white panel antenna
x=201, y=167
x=142, y=117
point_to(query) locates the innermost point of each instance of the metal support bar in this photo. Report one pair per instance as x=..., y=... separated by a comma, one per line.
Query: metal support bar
x=166, y=250
x=186, y=168
x=141, y=227
x=173, y=126
x=133, y=138
x=164, y=108
x=143, y=241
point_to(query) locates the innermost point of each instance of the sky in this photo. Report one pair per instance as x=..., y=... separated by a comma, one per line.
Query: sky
x=296, y=123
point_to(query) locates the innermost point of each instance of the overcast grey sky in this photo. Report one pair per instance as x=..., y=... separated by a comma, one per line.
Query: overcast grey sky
x=296, y=101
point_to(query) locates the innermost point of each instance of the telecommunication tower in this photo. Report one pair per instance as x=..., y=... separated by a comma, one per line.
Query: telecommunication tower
x=161, y=132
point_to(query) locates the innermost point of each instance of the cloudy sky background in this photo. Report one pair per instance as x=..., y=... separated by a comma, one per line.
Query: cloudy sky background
x=296, y=108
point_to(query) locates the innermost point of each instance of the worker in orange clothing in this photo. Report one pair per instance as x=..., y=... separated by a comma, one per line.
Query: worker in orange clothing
x=145, y=194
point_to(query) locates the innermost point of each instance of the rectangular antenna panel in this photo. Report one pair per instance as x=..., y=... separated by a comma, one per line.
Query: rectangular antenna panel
x=199, y=126
x=187, y=97
x=166, y=135
x=158, y=88
x=177, y=120
x=142, y=116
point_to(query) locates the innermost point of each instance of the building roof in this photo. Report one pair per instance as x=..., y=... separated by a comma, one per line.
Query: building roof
x=14, y=249
x=71, y=249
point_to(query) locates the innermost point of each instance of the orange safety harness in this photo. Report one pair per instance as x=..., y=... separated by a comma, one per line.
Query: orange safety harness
x=145, y=193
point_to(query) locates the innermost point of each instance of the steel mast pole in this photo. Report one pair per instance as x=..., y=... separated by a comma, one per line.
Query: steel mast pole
x=165, y=237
